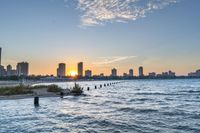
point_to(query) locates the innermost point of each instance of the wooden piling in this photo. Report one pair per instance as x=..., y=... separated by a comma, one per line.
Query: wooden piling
x=61, y=94
x=36, y=101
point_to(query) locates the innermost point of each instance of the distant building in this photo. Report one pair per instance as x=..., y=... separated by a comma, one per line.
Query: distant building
x=153, y=74
x=88, y=73
x=9, y=70
x=141, y=72
x=172, y=74
x=2, y=71
x=168, y=74
x=165, y=74
x=61, y=70
x=114, y=72
x=102, y=75
x=13, y=72
x=0, y=55
x=198, y=73
x=125, y=75
x=131, y=73
x=194, y=74
x=22, y=69
x=80, y=69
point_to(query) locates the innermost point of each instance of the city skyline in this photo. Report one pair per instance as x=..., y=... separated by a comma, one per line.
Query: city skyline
x=44, y=33
x=22, y=68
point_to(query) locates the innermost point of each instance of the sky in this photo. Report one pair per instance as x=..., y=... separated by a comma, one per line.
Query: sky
x=159, y=35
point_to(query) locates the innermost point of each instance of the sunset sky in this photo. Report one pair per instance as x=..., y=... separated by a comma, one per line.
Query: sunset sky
x=158, y=35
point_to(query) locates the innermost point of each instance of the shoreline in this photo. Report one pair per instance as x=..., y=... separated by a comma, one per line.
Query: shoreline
x=40, y=92
x=25, y=92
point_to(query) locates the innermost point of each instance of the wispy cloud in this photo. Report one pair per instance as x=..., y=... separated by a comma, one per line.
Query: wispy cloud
x=113, y=59
x=99, y=12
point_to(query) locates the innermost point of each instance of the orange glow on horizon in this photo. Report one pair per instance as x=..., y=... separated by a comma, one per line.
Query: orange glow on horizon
x=73, y=73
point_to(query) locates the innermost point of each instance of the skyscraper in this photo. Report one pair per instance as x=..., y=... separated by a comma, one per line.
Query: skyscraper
x=114, y=72
x=61, y=70
x=80, y=69
x=22, y=69
x=131, y=73
x=141, y=73
x=9, y=70
x=0, y=56
x=88, y=73
x=2, y=71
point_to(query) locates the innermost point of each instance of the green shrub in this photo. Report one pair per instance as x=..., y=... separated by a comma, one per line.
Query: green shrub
x=54, y=88
x=77, y=90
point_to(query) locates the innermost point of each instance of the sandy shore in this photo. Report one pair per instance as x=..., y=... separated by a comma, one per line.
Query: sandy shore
x=41, y=92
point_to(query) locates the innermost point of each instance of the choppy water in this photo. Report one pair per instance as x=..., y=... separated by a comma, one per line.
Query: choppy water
x=132, y=106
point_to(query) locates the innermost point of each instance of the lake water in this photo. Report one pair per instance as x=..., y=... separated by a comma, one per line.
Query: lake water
x=132, y=106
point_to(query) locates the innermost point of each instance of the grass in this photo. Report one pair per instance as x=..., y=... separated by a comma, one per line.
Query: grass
x=20, y=90
x=54, y=88
x=50, y=88
x=37, y=87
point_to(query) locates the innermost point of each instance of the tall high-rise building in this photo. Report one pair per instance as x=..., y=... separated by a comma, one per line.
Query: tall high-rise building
x=61, y=70
x=2, y=71
x=80, y=69
x=114, y=72
x=9, y=70
x=141, y=72
x=131, y=73
x=22, y=69
x=88, y=73
x=0, y=55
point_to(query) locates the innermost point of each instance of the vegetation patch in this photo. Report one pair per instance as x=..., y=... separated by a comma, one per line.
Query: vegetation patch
x=54, y=88
x=17, y=90
x=21, y=90
x=77, y=90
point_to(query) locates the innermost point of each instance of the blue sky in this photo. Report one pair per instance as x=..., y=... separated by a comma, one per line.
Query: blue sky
x=157, y=35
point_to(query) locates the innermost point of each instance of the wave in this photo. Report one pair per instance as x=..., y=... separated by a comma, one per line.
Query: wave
x=140, y=99
x=190, y=91
x=133, y=110
x=166, y=94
